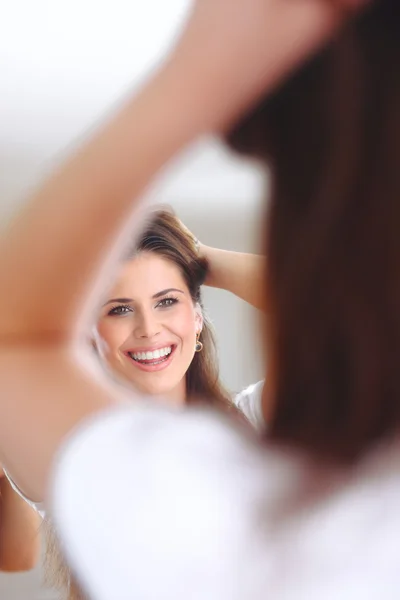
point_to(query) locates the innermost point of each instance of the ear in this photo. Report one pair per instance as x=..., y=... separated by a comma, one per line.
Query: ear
x=199, y=319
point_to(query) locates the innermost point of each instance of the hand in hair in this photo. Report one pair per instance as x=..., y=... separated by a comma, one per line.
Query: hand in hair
x=240, y=273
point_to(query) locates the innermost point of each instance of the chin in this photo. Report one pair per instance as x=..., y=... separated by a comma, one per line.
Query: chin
x=163, y=391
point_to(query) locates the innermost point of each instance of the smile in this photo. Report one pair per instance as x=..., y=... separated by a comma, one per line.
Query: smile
x=154, y=360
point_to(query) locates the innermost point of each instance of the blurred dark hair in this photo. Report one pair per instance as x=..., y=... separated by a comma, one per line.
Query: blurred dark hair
x=331, y=135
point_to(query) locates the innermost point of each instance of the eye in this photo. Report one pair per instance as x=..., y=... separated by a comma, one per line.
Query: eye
x=167, y=302
x=120, y=310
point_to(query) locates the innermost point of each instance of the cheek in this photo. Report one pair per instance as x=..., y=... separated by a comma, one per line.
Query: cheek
x=184, y=325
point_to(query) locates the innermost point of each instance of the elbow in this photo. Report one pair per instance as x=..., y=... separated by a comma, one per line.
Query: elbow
x=18, y=564
x=21, y=557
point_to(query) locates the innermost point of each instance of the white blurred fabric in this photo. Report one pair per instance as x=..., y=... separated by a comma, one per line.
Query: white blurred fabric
x=198, y=510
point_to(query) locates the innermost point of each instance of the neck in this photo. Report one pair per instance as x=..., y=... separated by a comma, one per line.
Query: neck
x=176, y=396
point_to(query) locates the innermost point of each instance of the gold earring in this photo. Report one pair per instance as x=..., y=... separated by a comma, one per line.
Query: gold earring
x=199, y=346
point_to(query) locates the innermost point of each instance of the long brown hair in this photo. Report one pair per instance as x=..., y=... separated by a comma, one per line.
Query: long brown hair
x=163, y=235
x=331, y=135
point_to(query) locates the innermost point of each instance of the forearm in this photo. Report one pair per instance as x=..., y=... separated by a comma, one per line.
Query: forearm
x=19, y=531
x=240, y=273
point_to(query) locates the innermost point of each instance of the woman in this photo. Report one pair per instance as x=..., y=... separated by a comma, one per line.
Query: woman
x=155, y=306
x=240, y=521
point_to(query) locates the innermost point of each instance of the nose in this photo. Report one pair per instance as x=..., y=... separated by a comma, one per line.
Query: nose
x=146, y=325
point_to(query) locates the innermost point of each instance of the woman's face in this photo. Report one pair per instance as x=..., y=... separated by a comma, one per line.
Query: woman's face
x=148, y=326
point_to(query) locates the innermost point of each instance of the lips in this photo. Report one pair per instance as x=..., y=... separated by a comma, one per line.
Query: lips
x=151, y=355
x=153, y=360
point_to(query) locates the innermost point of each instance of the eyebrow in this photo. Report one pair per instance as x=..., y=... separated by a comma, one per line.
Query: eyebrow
x=128, y=300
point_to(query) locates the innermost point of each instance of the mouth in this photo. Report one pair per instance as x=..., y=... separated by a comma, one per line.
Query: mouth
x=155, y=360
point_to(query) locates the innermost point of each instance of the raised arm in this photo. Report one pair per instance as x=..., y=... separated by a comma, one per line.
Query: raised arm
x=53, y=256
x=237, y=272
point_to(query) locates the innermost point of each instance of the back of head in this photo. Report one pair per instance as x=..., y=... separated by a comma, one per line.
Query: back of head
x=331, y=135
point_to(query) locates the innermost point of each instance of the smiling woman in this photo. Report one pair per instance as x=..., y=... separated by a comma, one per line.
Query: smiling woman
x=152, y=323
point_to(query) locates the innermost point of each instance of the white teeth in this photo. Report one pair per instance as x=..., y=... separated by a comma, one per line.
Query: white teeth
x=160, y=353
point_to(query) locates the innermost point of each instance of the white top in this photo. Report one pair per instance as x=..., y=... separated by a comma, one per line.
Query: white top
x=249, y=401
x=198, y=510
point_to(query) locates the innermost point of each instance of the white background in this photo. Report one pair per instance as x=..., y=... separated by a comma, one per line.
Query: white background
x=63, y=65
